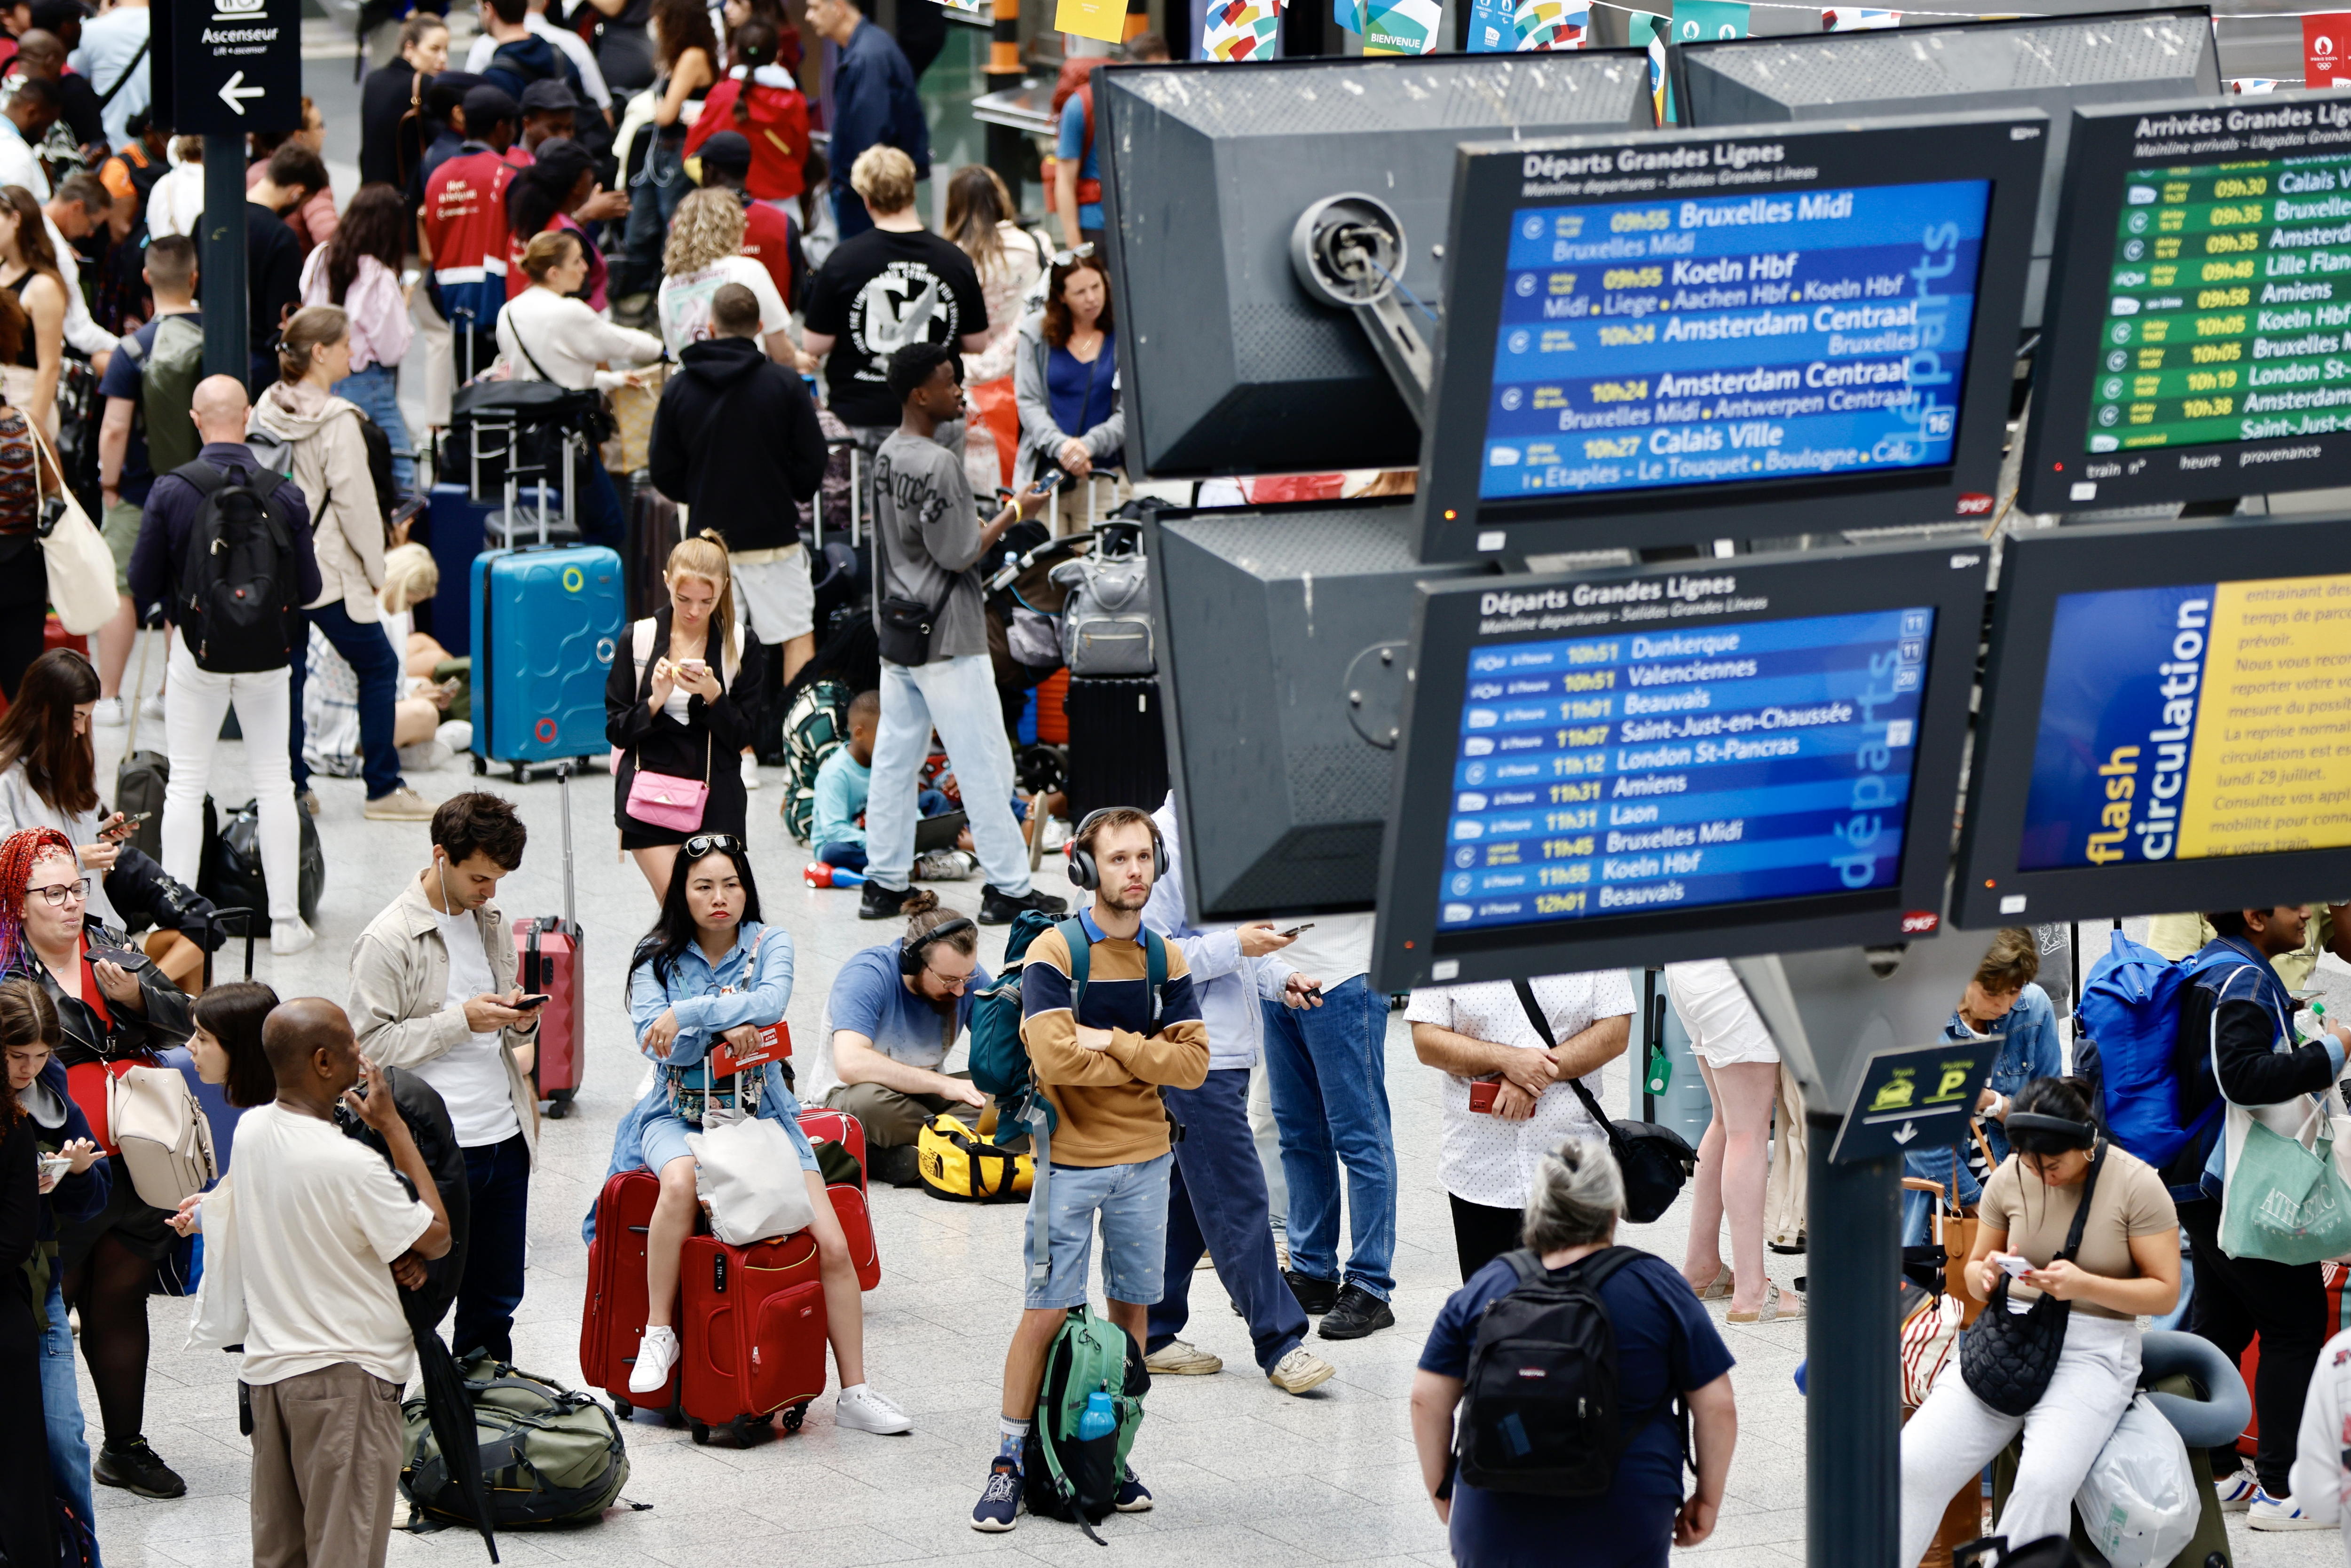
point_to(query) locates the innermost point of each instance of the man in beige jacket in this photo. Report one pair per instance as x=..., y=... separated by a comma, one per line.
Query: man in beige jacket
x=432, y=992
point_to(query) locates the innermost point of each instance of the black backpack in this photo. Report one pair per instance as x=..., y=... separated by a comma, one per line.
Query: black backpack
x=238, y=581
x=1539, y=1412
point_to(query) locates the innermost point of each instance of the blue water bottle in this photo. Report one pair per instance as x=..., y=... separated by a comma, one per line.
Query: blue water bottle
x=1097, y=1421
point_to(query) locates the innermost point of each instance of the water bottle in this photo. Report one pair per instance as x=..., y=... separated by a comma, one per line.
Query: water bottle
x=1097, y=1421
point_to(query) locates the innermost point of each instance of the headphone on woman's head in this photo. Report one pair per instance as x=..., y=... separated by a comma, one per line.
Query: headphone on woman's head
x=1087, y=875
x=2081, y=1134
x=909, y=952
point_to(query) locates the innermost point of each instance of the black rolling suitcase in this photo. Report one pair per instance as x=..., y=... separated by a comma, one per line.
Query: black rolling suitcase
x=1118, y=750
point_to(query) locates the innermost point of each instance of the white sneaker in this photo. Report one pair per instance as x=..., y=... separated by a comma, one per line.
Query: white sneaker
x=657, y=1352
x=1178, y=1358
x=1301, y=1369
x=289, y=935
x=750, y=772
x=2280, y=1513
x=153, y=708
x=862, y=1410
x=1058, y=833
x=945, y=865
x=2236, y=1490
x=109, y=714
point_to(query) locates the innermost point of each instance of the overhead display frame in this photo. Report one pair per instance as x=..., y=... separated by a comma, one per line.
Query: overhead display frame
x=2202, y=306
x=2167, y=718
x=1676, y=337
x=1747, y=756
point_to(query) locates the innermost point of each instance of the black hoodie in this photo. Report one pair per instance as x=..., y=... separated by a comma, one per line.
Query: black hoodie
x=735, y=438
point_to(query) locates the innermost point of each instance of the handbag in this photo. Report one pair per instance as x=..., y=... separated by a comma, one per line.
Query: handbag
x=663, y=799
x=1655, y=1161
x=2284, y=1198
x=2008, y=1357
x=80, y=566
x=747, y=1175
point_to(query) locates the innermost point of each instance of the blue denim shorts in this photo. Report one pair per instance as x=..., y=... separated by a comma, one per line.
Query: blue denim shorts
x=1132, y=1203
x=662, y=1139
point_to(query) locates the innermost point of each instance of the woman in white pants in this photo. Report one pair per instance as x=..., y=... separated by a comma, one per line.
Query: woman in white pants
x=2127, y=1265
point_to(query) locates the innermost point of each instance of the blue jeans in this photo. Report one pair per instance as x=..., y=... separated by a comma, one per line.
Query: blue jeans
x=1216, y=1204
x=660, y=184
x=497, y=1183
x=847, y=856
x=376, y=390
x=1328, y=1072
x=61, y=1407
x=364, y=647
x=957, y=697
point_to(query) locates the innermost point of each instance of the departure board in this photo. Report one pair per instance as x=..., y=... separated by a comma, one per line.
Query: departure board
x=1727, y=338
x=2229, y=301
x=2181, y=723
x=1683, y=767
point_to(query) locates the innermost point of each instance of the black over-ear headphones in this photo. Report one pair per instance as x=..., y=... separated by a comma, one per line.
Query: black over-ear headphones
x=1087, y=875
x=909, y=952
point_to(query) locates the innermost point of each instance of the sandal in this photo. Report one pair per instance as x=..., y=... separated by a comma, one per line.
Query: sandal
x=1776, y=1308
x=1720, y=1289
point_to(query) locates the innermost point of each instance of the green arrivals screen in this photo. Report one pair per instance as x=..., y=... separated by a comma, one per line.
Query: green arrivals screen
x=2227, y=305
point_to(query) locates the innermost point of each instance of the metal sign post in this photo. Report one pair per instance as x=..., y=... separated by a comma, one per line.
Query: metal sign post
x=234, y=66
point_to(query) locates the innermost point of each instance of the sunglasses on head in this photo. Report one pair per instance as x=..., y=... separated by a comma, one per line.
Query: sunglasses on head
x=1063, y=258
x=702, y=844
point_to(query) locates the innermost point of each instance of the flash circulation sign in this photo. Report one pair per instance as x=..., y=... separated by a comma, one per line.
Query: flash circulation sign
x=2199, y=341
x=1682, y=336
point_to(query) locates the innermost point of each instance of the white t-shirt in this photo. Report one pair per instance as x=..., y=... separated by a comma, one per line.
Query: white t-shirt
x=1483, y=1158
x=1337, y=950
x=471, y=1077
x=683, y=305
x=319, y=1218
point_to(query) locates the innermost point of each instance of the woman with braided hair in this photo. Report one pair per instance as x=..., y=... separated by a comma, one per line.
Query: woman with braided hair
x=107, y=1012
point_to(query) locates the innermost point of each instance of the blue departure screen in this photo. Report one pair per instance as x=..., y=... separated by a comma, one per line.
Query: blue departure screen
x=1642, y=772
x=1716, y=339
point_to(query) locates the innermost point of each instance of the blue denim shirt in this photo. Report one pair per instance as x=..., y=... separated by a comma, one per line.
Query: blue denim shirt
x=710, y=999
x=2028, y=1050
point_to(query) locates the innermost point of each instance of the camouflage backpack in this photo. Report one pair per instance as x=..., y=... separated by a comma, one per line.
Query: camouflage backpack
x=815, y=726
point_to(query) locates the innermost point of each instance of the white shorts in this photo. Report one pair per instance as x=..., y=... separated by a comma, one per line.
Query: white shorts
x=1724, y=1027
x=778, y=597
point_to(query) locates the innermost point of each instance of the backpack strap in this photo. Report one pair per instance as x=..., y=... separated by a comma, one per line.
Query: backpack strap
x=1154, y=970
x=1073, y=933
x=1525, y=1264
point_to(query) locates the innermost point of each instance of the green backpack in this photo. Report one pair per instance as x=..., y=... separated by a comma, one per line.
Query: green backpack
x=168, y=381
x=549, y=1455
x=1068, y=1476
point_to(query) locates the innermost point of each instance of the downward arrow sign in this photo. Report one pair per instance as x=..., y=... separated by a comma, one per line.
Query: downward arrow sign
x=232, y=90
x=1906, y=1133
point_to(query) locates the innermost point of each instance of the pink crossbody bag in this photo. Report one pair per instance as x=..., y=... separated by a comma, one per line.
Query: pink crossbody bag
x=663, y=799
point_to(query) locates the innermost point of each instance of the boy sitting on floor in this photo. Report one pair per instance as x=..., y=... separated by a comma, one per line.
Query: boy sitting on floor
x=837, y=827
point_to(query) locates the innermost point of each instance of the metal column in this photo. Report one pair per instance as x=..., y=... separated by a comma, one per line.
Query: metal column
x=220, y=260
x=1853, y=1437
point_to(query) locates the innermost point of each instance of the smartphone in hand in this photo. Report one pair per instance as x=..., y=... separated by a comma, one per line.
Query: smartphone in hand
x=536, y=1000
x=1483, y=1094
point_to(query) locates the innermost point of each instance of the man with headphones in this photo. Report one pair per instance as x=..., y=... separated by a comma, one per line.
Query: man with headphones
x=432, y=992
x=894, y=1014
x=1104, y=1037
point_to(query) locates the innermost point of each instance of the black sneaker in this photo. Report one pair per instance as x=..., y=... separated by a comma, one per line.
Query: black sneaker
x=900, y=1165
x=882, y=902
x=135, y=1467
x=997, y=907
x=1317, y=1296
x=1359, y=1312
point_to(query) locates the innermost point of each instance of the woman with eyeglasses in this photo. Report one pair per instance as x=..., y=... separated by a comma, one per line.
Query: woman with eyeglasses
x=681, y=693
x=108, y=1010
x=1065, y=376
x=702, y=984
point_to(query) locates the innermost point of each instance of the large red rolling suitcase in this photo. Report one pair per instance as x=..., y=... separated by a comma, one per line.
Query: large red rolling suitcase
x=837, y=1127
x=547, y=960
x=614, y=1318
x=753, y=1334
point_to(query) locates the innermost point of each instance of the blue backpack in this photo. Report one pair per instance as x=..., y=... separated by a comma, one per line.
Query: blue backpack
x=2130, y=1008
x=999, y=1057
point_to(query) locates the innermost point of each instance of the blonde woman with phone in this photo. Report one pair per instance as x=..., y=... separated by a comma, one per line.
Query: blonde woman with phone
x=678, y=703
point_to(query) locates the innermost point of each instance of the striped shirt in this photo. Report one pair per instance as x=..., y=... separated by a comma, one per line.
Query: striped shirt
x=1107, y=1101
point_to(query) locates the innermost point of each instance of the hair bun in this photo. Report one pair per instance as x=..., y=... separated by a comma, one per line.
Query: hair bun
x=920, y=901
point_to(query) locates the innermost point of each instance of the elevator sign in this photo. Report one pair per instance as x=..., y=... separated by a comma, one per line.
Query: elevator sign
x=237, y=66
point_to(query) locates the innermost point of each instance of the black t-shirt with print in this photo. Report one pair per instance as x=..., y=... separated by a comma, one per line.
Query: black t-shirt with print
x=878, y=293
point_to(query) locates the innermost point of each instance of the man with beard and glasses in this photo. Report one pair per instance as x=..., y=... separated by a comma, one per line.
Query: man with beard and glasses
x=892, y=1017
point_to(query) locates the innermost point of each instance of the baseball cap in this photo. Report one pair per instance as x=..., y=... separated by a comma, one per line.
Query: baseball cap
x=729, y=150
x=549, y=95
x=485, y=106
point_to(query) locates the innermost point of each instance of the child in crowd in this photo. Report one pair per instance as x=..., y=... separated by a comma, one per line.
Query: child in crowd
x=842, y=783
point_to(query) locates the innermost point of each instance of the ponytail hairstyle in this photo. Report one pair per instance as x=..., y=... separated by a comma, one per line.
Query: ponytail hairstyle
x=755, y=46
x=704, y=555
x=312, y=327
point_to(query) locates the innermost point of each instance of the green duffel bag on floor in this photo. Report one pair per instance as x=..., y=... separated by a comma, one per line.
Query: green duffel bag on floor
x=549, y=1455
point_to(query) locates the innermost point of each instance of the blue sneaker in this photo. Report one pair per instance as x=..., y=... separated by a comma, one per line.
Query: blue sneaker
x=999, y=1508
x=1133, y=1497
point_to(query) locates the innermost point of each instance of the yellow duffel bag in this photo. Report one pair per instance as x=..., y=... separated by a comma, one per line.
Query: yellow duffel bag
x=959, y=1164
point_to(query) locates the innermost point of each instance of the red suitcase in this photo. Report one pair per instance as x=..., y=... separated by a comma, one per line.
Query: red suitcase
x=753, y=1334
x=838, y=1127
x=613, y=1319
x=547, y=960
x=857, y=1225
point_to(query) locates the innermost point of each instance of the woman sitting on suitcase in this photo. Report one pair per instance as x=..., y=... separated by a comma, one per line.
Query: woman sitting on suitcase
x=681, y=693
x=700, y=985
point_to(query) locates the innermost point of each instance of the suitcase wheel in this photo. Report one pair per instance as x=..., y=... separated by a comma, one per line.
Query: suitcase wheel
x=748, y=1429
x=520, y=776
x=558, y=1104
x=795, y=1415
x=481, y=765
x=623, y=1409
x=700, y=1434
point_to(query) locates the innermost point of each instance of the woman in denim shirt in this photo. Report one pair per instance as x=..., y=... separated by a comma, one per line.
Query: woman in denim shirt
x=709, y=971
x=2001, y=997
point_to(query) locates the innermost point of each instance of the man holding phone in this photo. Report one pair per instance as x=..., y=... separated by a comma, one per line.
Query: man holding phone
x=432, y=992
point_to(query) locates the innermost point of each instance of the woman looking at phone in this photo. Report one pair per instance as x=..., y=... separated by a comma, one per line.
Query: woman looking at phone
x=680, y=693
x=112, y=1005
x=710, y=974
x=2125, y=1267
